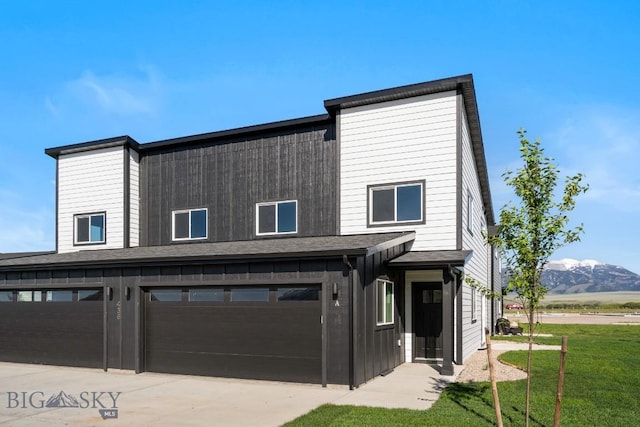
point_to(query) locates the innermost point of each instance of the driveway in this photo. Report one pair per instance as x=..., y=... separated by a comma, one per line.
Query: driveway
x=37, y=395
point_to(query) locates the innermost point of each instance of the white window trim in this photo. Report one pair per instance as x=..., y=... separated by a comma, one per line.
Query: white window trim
x=391, y=321
x=89, y=215
x=271, y=233
x=394, y=187
x=173, y=224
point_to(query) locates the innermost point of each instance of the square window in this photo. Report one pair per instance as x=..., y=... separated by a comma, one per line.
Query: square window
x=396, y=203
x=190, y=224
x=385, y=302
x=6, y=296
x=89, y=228
x=277, y=217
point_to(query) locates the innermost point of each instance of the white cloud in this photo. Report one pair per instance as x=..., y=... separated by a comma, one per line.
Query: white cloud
x=116, y=94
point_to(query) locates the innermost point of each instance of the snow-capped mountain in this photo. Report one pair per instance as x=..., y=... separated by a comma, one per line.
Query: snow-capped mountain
x=568, y=276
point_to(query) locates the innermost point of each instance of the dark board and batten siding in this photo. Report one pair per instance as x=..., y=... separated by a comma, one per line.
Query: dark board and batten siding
x=376, y=348
x=121, y=314
x=230, y=177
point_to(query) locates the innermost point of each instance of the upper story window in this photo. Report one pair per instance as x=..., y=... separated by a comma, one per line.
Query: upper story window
x=189, y=224
x=277, y=217
x=396, y=203
x=89, y=228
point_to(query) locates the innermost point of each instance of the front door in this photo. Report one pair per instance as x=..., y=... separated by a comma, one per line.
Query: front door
x=427, y=321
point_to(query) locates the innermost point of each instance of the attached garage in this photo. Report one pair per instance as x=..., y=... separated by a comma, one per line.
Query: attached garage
x=55, y=326
x=259, y=332
x=285, y=309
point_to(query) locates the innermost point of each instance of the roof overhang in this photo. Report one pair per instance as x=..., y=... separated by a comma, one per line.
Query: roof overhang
x=430, y=259
x=117, y=141
x=219, y=252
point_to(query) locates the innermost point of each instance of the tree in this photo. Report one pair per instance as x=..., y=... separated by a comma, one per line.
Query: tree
x=531, y=230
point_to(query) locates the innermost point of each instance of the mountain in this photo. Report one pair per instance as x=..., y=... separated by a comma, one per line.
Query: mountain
x=568, y=276
x=62, y=400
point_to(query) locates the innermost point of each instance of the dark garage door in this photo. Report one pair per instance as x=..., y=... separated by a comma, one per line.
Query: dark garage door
x=241, y=332
x=53, y=327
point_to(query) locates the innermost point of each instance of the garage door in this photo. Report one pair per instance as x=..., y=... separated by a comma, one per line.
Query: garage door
x=53, y=327
x=269, y=333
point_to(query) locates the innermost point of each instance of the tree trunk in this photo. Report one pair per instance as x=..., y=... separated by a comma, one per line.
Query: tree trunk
x=529, y=360
x=492, y=377
x=563, y=357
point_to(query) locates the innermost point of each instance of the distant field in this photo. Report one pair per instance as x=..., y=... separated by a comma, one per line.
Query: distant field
x=585, y=298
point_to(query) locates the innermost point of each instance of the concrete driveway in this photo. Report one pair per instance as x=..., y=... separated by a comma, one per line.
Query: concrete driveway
x=36, y=395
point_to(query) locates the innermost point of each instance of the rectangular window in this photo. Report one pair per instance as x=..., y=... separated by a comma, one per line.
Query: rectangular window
x=298, y=294
x=206, y=294
x=190, y=224
x=396, y=203
x=60, y=296
x=6, y=296
x=385, y=303
x=166, y=295
x=250, y=294
x=29, y=296
x=470, y=213
x=277, y=217
x=89, y=228
x=474, y=315
x=90, y=295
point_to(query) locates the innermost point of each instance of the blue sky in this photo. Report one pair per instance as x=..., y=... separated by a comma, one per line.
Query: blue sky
x=78, y=71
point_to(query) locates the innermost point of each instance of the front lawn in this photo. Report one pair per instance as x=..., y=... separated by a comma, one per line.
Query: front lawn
x=602, y=388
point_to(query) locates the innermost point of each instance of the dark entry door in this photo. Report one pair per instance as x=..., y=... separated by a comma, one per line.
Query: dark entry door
x=427, y=320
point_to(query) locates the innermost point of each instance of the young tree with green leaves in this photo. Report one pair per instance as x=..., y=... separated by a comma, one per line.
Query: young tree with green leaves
x=533, y=228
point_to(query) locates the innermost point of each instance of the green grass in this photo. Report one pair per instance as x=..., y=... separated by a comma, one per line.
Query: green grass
x=602, y=388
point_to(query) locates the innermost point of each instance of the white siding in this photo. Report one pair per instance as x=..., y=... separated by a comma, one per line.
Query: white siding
x=478, y=266
x=91, y=181
x=397, y=141
x=134, y=198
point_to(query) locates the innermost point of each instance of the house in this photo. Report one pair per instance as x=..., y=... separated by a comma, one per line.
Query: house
x=325, y=249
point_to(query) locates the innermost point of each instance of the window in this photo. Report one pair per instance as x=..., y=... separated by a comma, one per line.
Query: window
x=474, y=314
x=396, y=203
x=206, y=294
x=89, y=228
x=190, y=224
x=298, y=294
x=277, y=217
x=90, y=295
x=29, y=296
x=470, y=213
x=250, y=294
x=6, y=296
x=384, y=292
x=166, y=295
x=60, y=296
